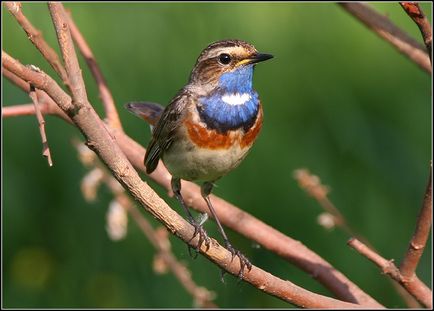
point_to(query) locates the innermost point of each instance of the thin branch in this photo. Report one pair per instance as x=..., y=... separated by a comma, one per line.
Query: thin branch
x=99, y=140
x=383, y=27
x=35, y=36
x=45, y=148
x=29, y=110
x=13, y=78
x=421, y=234
x=414, y=10
x=46, y=103
x=313, y=186
x=104, y=92
x=415, y=286
x=249, y=226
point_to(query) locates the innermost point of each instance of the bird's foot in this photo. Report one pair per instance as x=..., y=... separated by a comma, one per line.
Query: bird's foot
x=244, y=262
x=203, y=238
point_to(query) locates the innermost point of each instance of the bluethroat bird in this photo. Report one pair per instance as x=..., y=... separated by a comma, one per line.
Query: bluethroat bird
x=209, y=126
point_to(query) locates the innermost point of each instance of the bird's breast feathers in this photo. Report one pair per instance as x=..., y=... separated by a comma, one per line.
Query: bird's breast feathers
x=205, y=154
x=205, y=136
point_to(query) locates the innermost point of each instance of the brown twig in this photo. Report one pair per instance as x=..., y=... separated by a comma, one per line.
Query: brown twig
x=104, y=92
x=313, y=186
x=35, y=36
x=420, y=236
x=46, y=103
x=29, y=109
x=45, y=148
x=414, y=10
x=249, y=226
x=415, y=286
x=383, y=27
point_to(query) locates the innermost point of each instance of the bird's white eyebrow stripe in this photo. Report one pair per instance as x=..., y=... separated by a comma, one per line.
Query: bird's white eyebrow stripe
x=235, y=99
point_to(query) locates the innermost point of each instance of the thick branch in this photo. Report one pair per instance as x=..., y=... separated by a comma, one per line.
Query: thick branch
x=35, y=36
x=383, y=27
x=421, y=234
x=273, y=240
x=414, y=10
x=415, y=287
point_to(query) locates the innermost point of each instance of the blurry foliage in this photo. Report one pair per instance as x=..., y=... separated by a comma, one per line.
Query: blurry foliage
x=337, y=100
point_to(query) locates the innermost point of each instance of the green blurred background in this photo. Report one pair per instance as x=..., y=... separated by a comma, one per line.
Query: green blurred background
x=337, y=100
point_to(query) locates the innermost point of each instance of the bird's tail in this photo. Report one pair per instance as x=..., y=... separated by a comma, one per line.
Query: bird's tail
x=150, y=112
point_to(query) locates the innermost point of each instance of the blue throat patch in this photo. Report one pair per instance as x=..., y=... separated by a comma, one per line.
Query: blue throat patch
x=222, y=116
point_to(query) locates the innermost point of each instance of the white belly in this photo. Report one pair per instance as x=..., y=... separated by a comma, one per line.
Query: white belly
x=189, y=162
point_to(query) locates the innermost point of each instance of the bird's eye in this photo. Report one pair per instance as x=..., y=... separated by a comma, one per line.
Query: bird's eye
x=225, y=58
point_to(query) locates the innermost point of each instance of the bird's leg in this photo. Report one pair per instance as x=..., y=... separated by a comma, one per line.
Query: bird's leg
x=244, y=262
x=198, y=229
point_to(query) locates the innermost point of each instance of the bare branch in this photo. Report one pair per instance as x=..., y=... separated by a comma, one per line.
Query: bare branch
x=421, y=234
x=104, y=92
x=46, y=103
x=415, y=286
x=45, y=148
x=35, y=36
x=383, y=27
x=313, y=186
x=414, y=10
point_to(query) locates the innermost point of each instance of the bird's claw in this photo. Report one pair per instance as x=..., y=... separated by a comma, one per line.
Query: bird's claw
x=203, y=238
x=244, y=262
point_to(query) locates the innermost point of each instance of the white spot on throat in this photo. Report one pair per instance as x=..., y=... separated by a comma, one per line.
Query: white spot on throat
x=235, y=99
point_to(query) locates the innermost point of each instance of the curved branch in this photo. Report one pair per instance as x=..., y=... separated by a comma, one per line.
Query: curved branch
x=414, y=286
x=421, y=234
x=383, y=27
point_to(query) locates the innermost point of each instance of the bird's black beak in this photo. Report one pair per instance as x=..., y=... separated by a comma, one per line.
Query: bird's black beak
x=255, y=58
x=260, y=57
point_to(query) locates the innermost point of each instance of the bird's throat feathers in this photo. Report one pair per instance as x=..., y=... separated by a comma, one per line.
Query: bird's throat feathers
x=233, y=104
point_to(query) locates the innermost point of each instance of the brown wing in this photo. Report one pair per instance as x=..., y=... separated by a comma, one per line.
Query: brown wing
x=163, y=132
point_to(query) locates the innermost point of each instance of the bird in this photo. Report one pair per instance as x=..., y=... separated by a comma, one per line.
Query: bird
x=208, y=128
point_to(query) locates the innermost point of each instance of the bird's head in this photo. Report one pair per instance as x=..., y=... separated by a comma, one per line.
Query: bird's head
x=227, y=64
